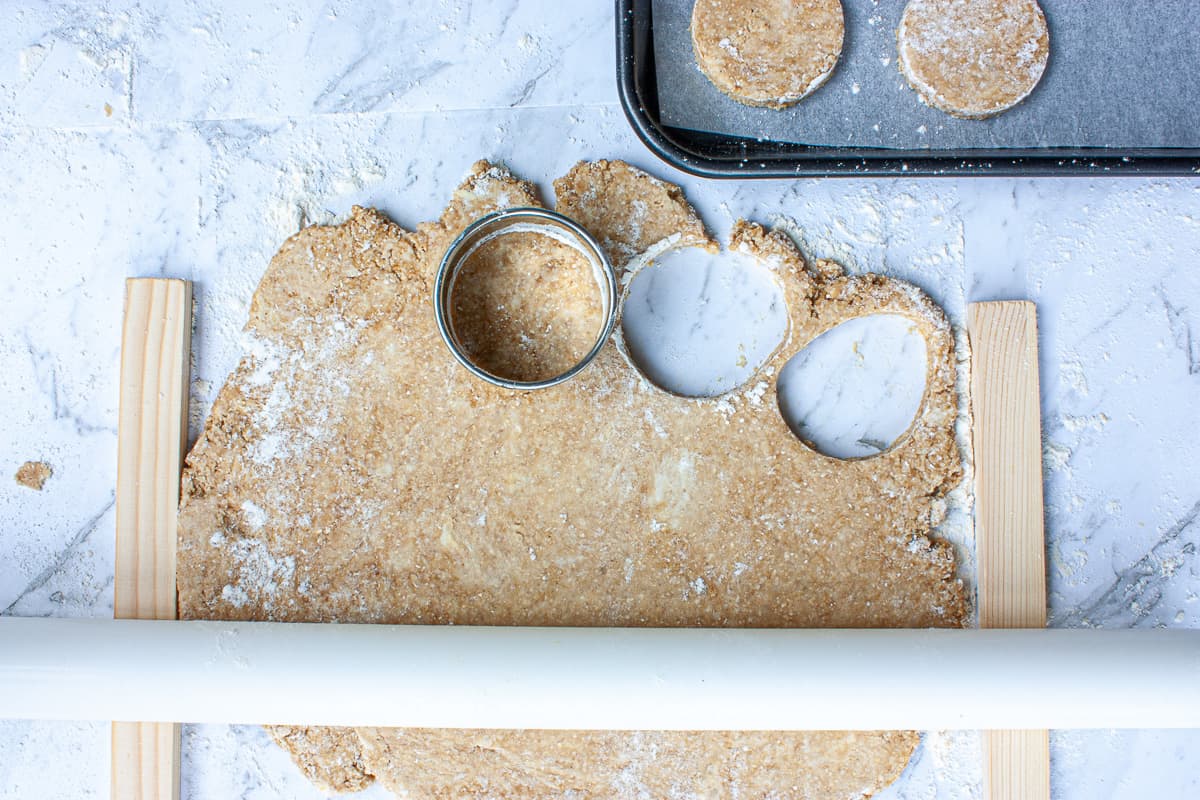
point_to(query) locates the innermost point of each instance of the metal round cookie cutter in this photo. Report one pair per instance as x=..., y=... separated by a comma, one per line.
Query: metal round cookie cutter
x=522, y=220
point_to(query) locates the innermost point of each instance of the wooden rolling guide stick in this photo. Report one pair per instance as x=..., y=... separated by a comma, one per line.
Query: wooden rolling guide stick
x=152, y=437
x=1009, y=535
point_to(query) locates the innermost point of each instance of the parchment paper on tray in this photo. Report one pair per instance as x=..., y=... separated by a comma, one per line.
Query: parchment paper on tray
x=1121, y=75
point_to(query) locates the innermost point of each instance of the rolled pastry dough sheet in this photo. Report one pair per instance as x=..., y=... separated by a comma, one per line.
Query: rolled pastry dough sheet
x=351, y=470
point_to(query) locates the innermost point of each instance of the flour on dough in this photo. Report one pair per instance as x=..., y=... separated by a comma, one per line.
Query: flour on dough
x=770, y=53
x=352, y=471
x=973, y=58
x=472, y=764
x=332, y=758
x=628, y=210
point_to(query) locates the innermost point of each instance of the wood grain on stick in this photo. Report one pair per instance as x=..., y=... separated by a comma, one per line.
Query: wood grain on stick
x=1009, y=534
x=152, y=437
x=1016, y=765
x=1008, y=465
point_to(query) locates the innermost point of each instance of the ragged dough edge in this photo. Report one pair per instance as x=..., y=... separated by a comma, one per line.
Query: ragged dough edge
x=331, y=758
x=599, y=196
x=808, y=289
x=280, y=303
x=772, y=249
x=283, y=311
x=286, y=308
x=822, y=291
x=410, y=272
x=597, y=192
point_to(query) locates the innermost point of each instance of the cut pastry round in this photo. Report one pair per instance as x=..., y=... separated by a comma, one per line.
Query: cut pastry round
x=770, y=53
x=973, y=58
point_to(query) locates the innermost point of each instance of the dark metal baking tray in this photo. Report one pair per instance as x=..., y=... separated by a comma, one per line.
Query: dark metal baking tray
x=721, y=156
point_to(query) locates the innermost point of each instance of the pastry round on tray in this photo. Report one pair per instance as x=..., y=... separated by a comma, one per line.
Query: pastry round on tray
x=973, y=58
x=770, y=53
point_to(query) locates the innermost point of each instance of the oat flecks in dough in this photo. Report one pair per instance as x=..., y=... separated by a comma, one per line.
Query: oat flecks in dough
x=973, y=58
x=475, y=764
x=331, y=758
x=526, y=306
x=33, y=474
x=770, y=53
x=390, y=485
x=628, y=210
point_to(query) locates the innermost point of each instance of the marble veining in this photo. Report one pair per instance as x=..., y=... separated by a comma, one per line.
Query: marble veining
x=1136, y=593
x=701, y=325
x=191, y=139
x=855, y=389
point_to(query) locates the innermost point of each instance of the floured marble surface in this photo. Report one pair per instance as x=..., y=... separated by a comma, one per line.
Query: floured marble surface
x=214, y=119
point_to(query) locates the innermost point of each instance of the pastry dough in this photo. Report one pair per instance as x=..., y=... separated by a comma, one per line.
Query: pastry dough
x=973, y=58
x=770, y=53
x=351, y=470
x=526, y=306
x=483, y=765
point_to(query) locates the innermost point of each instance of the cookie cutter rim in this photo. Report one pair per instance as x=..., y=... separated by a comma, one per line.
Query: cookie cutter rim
x=496, y=224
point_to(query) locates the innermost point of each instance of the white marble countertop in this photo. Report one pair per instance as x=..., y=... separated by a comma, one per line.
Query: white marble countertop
x=190, y=141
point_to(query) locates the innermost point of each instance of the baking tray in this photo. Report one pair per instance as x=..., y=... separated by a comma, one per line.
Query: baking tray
x=715, y=155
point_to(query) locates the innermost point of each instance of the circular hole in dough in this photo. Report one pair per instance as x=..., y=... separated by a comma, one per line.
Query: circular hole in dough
x=855, y=389
x=769, y=53
x=700, y=324
x=526, y=306
x=973, y=58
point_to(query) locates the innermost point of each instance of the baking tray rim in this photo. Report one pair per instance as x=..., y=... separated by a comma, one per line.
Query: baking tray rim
x=750, y=158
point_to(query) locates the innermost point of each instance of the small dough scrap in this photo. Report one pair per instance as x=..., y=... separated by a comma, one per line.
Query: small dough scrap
x=34, y=474
x=770, y=53
x=973, y=58
x=484, y=764
x=629, y=211
x=331, y=758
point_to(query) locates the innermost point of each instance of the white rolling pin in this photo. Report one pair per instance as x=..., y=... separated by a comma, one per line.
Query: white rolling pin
x=597, y=678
